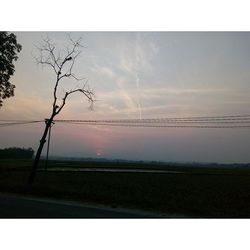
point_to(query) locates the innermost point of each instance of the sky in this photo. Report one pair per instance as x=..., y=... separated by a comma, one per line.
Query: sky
x=137, y=75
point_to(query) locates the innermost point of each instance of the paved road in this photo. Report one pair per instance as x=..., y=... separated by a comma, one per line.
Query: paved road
x=22, y=207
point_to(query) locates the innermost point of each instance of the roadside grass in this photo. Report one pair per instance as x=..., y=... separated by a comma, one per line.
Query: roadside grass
x=202, y=193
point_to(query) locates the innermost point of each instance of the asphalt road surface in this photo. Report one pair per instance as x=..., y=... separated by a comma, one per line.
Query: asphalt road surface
x=23, y=207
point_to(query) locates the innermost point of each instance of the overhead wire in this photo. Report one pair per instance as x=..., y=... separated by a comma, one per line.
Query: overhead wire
x=154, y=120
x=164, y=126
x=225, y=121
x=13, y=123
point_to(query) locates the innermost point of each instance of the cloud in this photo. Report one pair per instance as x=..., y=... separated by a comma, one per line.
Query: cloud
x=163, y=91
x=137, y=55
x=103, y=71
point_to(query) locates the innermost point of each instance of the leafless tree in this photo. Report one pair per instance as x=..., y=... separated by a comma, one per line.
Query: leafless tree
x=62, y=63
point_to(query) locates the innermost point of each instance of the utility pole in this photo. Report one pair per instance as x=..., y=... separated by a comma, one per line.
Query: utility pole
x=47, y=154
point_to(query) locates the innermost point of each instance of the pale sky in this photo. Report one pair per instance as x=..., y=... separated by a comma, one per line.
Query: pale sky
x=138, y=75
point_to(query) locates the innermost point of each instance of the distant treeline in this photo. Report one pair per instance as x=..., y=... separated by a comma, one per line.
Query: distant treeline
x=16, y=153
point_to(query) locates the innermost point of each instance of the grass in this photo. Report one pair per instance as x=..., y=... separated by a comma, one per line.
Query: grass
x=206, y=192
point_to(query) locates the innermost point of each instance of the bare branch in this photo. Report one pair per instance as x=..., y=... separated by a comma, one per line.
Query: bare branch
x=78, y=79
x=45, y=60
x=62, y=62
x=69, y=71
x=87, y=93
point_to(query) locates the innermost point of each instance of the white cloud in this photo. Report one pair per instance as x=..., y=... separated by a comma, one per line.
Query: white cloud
x=103, y=71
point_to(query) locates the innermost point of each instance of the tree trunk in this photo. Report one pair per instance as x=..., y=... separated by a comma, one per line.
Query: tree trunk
x=39, y=151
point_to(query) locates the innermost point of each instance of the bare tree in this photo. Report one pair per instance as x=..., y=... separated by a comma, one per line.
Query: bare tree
x=62, y=64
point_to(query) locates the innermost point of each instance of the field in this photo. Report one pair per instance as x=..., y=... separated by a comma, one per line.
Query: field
x=191, y=192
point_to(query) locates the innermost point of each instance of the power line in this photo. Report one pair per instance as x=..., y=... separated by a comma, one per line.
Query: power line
x=158, y=120
x=13, y=120
x=6, y=124
x=225, y=121
x=164, y=126
x=232, y=121
x=224, y=117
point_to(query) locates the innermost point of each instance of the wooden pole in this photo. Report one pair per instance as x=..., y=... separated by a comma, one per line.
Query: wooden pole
x=47, y=154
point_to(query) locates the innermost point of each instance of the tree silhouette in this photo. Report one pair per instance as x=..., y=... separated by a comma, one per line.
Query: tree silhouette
x=8, y=53
x=62, y=64
x=16, y=153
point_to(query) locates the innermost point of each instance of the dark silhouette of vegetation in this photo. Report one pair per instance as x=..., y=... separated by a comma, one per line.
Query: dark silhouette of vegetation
x=62, y=64
x=8, y=53
x=16, y=153
x=206, y=192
